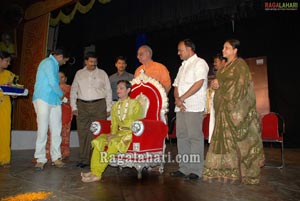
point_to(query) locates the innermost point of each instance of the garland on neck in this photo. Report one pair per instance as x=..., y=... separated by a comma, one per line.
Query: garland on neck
x=124, y=112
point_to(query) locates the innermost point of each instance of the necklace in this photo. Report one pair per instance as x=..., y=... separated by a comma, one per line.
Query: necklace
x=124, y=112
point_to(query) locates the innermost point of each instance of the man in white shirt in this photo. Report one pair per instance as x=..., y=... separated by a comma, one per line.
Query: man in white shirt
x=190, y=97
x=90, y=99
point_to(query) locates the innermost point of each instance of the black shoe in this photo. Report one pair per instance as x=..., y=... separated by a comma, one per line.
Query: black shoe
x=79, y=164
x=177, y=174
x=191, y=176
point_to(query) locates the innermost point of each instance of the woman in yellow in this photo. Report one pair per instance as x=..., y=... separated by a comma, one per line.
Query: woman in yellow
x=236, y=151
x=124, y=112
x=6, y=77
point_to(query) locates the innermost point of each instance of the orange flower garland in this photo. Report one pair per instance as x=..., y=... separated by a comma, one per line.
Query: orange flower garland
x=28, y=196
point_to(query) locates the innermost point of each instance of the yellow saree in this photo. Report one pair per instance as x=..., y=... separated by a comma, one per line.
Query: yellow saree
x=5, y=119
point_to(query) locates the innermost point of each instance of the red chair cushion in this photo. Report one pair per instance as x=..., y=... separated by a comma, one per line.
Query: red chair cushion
x=153, y=95
x=270, y=128
x=205, y=126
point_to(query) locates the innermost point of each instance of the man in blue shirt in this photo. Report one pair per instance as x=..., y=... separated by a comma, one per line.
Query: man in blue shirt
x=46, y=99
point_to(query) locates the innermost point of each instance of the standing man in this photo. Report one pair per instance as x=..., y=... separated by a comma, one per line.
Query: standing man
x=46, y=100
x=90, y=99
x=121, y=74
x=190, y=95
x=219, y=63
x=151, y=68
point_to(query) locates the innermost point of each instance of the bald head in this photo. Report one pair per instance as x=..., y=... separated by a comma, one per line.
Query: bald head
x=144, y=54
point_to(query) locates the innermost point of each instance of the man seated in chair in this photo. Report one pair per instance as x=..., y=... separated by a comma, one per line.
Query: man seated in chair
x=124, y=112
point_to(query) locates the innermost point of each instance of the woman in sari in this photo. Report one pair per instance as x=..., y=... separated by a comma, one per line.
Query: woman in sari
x=236, y=151
x=124, y=112
x=6, y=77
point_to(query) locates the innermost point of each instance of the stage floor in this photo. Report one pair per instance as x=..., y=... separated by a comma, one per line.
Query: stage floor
x=66, y=185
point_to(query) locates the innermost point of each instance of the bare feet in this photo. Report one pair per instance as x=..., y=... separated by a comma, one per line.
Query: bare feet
x=91, y=178
x=86, y=174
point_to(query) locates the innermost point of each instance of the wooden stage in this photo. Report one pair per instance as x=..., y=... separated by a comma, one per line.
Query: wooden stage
x=122, y=185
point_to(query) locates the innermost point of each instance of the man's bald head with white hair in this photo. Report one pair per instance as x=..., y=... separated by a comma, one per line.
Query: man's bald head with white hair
x=144, y=54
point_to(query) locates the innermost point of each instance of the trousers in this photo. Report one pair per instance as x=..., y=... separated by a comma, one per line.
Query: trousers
x=47, y=116
x=100, y=158
x=190, y=142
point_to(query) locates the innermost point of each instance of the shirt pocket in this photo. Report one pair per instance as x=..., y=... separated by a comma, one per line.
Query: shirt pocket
x=189, y=77
x=97, y=83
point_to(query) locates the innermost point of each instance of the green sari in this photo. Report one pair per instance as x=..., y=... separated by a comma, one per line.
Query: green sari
x=236, y=149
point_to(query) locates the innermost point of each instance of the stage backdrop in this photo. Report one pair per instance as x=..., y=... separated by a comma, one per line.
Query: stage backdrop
x=33, y=51
x=258, y=68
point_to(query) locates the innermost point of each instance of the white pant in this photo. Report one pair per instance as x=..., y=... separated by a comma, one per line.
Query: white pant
x=48, y=116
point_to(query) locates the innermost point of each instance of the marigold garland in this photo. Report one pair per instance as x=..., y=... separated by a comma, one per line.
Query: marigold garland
x=83, y=9
x=28, y=196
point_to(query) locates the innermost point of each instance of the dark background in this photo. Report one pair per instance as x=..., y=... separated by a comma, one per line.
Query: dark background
x=114, y=27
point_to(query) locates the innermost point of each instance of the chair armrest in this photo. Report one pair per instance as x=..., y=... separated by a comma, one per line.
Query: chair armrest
x=152, y=137
x=99, y=127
